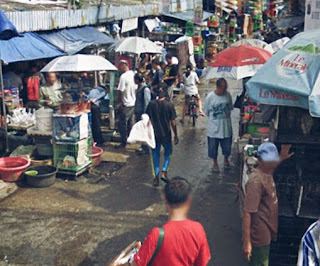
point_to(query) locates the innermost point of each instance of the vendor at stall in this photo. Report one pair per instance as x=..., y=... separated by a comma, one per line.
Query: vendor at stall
x=51, y=92
x=95, y=96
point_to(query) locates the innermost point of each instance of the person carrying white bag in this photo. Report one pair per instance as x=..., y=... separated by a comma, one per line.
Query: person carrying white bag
x=143, y=132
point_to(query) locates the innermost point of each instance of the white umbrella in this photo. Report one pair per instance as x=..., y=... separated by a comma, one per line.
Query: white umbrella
x=251, y=42
x=277, y=45
x=136, y=45
x=78, y=63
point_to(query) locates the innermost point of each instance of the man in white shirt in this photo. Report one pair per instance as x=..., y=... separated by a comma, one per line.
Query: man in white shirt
x=190, y=82
x=217, y=107
x=126, y=101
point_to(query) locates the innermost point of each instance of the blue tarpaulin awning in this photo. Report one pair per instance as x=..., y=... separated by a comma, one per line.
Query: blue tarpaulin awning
x=187, y=15
x=7, y=30
x=25, y=47
x=74, y=40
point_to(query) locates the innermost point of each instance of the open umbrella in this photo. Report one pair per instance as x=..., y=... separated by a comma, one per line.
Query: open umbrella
x=277, y=45
x=251, y=42
x=78, y=63
x=237, y=62
x=136, y=45
x=7, y=31
x=291, y=77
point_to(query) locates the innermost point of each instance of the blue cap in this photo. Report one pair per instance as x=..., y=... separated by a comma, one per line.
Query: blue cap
x=268, y=152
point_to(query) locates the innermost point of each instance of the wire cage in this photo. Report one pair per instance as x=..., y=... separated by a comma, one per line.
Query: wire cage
x=72, y=157
x=71, y=128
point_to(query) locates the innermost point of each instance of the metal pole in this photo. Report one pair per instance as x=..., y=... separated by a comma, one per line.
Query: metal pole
x=4, y=112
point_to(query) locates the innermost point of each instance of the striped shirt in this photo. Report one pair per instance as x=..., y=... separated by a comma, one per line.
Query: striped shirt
x=309, y=252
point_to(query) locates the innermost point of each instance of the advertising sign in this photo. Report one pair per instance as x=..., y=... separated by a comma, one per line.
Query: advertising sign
x=312, y=15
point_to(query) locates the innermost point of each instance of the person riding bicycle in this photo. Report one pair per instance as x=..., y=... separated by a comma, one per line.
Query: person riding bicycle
x=190, y=82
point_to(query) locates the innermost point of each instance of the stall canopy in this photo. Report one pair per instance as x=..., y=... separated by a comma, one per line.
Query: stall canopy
x=291, y=76
x=187, y=15
x=237, y=62
x=79, y=63
x=74, y=40
x=25, y=47
x=7, y=30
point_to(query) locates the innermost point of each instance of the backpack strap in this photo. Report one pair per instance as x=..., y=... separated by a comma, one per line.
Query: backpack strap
x=159, y=244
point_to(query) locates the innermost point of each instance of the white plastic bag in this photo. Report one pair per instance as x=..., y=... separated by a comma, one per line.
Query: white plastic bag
x=143, y=131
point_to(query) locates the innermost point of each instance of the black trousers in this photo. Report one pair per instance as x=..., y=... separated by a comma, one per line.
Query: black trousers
x=96, y=124
x=125, y=122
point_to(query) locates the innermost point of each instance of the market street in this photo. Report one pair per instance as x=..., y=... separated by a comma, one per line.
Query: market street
x=88, y=223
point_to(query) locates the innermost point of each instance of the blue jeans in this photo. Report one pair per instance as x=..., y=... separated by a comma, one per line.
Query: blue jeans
x=156, y=157
x=213, y=146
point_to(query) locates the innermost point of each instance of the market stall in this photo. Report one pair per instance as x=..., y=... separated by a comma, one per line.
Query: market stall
x=284, y=109
x=64, y=134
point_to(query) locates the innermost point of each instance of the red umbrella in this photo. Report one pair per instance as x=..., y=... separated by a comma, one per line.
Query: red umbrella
x=237, y=62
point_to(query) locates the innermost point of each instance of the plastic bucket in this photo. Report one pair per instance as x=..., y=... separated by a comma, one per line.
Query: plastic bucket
x=44, y=119
x=96, y=153
x=41, y=176
x=12, y=168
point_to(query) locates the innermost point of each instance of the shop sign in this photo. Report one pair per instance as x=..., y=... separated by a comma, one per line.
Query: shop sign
x=129, y=24
x=312, y=15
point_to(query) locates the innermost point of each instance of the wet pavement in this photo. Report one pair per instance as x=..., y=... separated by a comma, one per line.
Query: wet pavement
x=89, y=221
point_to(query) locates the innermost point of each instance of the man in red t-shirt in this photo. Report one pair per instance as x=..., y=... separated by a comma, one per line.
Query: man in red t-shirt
x=185, y=242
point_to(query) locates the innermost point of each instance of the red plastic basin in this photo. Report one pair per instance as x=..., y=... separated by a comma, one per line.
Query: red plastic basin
x=12, y=168
x=96, y=153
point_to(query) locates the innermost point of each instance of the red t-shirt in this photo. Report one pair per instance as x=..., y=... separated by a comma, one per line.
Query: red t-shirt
x=185, y=243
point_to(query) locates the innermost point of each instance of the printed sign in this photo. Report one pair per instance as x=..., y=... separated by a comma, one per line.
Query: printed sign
x=312, y=15
x=294, y=64
x=129, y=24
x=276, y=97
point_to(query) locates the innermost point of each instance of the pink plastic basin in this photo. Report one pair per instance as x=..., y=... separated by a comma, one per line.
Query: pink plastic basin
x=96, y=153
x=12, y=168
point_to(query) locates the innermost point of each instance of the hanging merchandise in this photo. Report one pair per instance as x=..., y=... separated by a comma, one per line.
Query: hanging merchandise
x=213, y=21
x=190, y=28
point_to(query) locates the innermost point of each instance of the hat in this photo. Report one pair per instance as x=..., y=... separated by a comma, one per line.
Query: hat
x=268, y=152
x=123, y=62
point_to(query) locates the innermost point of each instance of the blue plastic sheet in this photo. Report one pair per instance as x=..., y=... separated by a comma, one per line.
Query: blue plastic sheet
x=25, y=47
x=74, y=40
x=7, y=30
x=291, y=76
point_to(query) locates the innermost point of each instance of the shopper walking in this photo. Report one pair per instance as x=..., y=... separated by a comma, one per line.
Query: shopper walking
x=218, y=106
x=143, y=98
x=180, y=242
x=309, y=252
x=260, y=210
x=163, y=117
x=158, y=75
x=126, y=100
x=170, y=75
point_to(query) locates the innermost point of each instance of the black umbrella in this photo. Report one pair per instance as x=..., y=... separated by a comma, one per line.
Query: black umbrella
x=7, y=31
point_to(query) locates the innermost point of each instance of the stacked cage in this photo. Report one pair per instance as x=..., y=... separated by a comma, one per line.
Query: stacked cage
x=72, y=142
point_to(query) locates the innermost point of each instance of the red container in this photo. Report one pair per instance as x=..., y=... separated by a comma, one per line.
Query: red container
x=12, y=168
x=96, y=153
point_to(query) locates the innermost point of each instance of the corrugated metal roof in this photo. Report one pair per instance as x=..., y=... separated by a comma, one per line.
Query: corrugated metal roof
x=37, y=20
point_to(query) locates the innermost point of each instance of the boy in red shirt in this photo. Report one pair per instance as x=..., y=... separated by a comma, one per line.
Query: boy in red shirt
x=185, y=242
